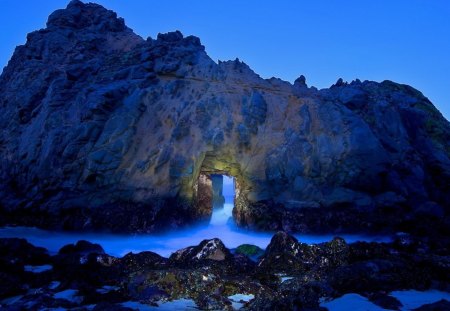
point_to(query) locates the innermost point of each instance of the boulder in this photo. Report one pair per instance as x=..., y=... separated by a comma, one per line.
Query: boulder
x=285, y=254
x=208, y=251
x=251, y=251
x=19, y=252
x=82, y=247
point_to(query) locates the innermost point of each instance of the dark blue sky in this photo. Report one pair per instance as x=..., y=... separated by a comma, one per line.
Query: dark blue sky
x=407, y=41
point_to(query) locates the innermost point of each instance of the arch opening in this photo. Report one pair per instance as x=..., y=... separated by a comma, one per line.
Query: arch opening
x=223, y=199
x=209, y=194
x=215, y=195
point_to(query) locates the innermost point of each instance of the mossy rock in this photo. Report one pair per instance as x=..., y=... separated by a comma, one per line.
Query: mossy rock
x=249, y=250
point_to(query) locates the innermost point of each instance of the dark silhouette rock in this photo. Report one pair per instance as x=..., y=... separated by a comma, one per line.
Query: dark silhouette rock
x=285, y=253
x=20, y=252
x=105, y=130
x=81, y=248
x=385, y=301
x=141, y=262
x=436, y=306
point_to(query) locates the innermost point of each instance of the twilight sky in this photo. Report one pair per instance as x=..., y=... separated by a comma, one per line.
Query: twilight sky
x=407, y=41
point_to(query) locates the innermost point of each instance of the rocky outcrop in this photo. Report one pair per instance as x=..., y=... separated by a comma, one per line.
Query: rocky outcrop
x=102, y=129
x=213, y=279
x=285, y=254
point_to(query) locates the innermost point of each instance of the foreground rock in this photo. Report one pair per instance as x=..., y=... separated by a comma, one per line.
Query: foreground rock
x=15, y=255
x=102, y=129
x=290, y=275
x=286, y=254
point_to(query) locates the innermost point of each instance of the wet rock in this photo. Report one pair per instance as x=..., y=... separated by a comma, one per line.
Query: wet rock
x=141, y=262
x=213, y=302
x=18, y=252
x=145, y=293
x=360, y=251
x=208, y=251
x=377, y=274
x=81, y=248
x=251, y=251
x=243, y=264
x=284, y=253
x=42, y=301
x=12, y=284
x=84, y=266
x=14, y=255
x=295, y=276
x=282, y=303
x=385, y=301
x=334, y=253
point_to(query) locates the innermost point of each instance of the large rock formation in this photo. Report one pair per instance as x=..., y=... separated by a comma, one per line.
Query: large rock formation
x=102, y=129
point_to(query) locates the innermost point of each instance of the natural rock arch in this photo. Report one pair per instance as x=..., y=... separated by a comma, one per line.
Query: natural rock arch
x=111, y=131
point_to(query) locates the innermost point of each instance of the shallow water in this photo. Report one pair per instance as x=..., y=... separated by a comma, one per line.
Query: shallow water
x=221, y=226
x=410, y=299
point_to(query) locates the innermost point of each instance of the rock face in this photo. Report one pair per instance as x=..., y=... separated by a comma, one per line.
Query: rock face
x=104, y=130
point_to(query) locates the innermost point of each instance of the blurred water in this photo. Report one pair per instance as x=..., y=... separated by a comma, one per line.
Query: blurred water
x=222, y=214
x=221, y=226
x=121, y=244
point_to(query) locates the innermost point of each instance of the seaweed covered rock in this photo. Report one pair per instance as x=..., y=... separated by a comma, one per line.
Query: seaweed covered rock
x=251, y=251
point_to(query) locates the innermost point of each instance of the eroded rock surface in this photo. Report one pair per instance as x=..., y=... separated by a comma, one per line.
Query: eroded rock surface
x=102, y=129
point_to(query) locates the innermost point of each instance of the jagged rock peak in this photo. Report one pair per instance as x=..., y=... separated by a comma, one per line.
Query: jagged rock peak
x=79, y=15
x=173, y=36
x=339, y=82
x=301, y=81
x=176, y=38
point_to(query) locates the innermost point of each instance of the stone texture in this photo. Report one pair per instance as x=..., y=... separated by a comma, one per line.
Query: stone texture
x=102, y=129
x=213, y=278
